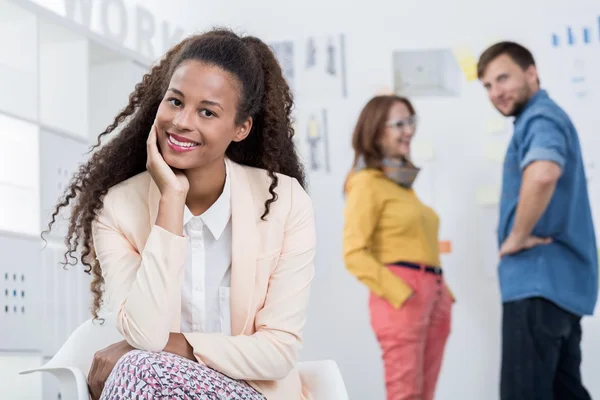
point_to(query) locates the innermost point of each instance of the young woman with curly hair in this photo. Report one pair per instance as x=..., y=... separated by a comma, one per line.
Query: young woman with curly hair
x=194, y=222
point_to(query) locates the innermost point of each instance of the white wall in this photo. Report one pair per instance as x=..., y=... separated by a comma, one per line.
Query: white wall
x=338, y=321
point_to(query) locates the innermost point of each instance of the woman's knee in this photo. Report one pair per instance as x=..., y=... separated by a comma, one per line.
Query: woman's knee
x=137, y=373
x=139, y=365
x=137, y=358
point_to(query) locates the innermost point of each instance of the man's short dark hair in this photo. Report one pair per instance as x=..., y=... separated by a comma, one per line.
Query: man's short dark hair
x=515, y=51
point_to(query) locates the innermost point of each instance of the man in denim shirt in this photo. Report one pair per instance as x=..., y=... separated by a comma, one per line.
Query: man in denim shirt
x=548, y=268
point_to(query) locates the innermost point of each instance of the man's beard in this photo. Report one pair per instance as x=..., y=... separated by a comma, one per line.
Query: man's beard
x=520, y=103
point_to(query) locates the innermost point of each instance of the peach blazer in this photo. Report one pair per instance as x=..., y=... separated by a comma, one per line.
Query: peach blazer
x=271, y=274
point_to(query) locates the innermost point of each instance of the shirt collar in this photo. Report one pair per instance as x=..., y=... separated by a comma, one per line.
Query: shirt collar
x=540, y=94
x=217, y=216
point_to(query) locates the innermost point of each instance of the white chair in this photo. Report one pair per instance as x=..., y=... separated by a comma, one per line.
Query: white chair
x=322, y=378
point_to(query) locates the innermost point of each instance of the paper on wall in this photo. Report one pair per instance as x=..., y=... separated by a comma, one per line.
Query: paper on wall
x=487, y=195
x=495, y=125
x=422, y=150
x=490, y=40
x=445, y=246
x=495, y=152
x=383, y=91
x=466, y=61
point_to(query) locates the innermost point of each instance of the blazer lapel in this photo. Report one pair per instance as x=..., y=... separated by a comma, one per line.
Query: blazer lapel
x=244, y=247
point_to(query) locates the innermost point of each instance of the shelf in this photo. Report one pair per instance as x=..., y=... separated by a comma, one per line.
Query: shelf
x=112, y=79
x=59, y=159
x=60, y=86
x=63, y=79
x=18, y=62
x=19, y=176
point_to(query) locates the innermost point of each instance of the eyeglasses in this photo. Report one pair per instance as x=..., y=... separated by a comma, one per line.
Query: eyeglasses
x=410, y=122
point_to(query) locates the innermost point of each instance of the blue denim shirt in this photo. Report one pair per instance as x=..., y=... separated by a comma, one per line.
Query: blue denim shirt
x=565, y=271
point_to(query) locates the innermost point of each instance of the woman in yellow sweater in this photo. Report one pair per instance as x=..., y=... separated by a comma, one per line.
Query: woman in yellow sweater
x=391, y=245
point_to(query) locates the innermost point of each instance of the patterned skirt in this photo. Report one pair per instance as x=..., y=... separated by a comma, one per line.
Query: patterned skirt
x=146, y=375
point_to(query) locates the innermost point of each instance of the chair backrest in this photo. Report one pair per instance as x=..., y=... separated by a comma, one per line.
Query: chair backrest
x=79, y=349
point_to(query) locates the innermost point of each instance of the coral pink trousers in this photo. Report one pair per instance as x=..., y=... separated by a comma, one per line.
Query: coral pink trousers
x=413, y=337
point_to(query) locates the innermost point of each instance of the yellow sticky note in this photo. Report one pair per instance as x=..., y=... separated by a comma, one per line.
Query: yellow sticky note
x=495, y=152
x=487, y=195
x=495, y=125
x=422, y=150
x=466, y=61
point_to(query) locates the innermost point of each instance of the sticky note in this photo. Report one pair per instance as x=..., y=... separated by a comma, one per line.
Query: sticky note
x=445, y=246
x=495, y=125
x=466, y=61
x=422, y=150
x=487, y=195
x=495, y=152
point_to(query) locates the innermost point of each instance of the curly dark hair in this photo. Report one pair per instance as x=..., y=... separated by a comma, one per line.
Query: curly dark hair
x=265, y=96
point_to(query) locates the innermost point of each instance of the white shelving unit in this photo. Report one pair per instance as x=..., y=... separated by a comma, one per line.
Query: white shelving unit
x=19, y=176
x=63, y=89
x=59, y=88
x=18, y=62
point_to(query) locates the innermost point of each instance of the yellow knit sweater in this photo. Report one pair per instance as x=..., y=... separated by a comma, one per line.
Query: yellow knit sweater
x=384, y=223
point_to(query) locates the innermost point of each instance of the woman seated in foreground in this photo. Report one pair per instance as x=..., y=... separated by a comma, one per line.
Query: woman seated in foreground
x=197, y=230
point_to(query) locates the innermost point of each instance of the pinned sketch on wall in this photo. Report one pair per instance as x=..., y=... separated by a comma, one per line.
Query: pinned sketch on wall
x=324, y=73
x=578, y=78
x=311, y=53
x=425, y=73
x=571, y=39
x=317, y=141
x=311, y=137
x=332, y=60
x=284, y=52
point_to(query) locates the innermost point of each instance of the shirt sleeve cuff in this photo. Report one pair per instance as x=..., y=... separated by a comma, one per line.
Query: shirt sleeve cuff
x=543, y=154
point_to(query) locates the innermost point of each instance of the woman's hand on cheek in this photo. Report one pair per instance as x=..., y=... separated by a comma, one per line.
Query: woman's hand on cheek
x=169, y=182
